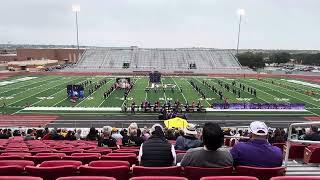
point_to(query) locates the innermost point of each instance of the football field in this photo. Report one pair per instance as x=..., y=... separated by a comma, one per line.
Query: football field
x=48, y=94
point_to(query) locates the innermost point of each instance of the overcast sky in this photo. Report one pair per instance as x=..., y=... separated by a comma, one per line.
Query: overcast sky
x=268, y=24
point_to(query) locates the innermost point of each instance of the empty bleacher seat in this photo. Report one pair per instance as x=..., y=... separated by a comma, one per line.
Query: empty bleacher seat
x=19, y=178
x=102, y=151
x=83, y=157
x=116, y=169
x=158, y=178
x=229, y=178
x=54, y=169
x=260, y=172
x=130, y=157
x=311, y=154
x=13, y=167
x=296, y=151
x=86, y=178
x=195, y=173
x=156, y=171
x=40, y=159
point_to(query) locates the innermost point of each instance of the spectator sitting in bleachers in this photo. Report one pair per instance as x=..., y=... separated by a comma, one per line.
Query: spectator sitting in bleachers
x=157, y=151
x=189, y=139
x=211, y=155
x=29, y=135
x=78, y=134
x=93, y=135
x=70, y=136
x=257, y=151
x=277, y=137
x=169, y=134
x=145, y=134
x=313, y=134
x=106, y=140
x=5, y=134
x=115, y=134
x=132, y=139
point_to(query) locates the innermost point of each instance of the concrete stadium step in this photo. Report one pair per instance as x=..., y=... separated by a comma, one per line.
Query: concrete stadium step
x=25, y=120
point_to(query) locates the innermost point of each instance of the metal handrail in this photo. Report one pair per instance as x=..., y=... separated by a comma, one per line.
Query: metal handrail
x=290, y=140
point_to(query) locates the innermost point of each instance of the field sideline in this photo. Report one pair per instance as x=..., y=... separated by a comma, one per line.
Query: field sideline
x=50, y=91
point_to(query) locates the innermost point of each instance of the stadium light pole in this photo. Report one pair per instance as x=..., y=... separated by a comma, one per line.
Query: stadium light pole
x=76, y=9
x=240, y=12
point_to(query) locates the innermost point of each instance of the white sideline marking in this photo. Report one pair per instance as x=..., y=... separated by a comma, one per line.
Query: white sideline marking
x=257, y=110
x=72, y=109
x=3, y=83
x=305, y=83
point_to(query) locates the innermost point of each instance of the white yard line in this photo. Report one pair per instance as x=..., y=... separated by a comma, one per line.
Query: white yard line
x=292, y=97
x=109, y=95
x=93, y=92
x=317, y=105
x=135, y=82
x=39, y=92
x=185, y=99
x=261, y=91
x=26, y=85
x=197, y=92
x=247, y=92
x=164, y=93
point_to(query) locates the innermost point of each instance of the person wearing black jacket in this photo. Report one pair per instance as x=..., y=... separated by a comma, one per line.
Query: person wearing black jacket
x=157, y=151
x=106, y=140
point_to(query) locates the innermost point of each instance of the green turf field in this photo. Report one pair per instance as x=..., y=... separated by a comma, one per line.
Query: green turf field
x=50, y=91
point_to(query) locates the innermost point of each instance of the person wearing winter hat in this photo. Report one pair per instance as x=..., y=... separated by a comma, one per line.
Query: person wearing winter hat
x=257, y=151
x=157, y=151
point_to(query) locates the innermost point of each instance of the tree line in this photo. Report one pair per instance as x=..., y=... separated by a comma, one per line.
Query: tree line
x=258, y=60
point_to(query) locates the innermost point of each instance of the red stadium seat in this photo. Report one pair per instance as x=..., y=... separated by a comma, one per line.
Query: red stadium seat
x=130, y=157
x=180, y=152
x=227, y=141
x=40, y=159
x=86, y=178
x=19, y=178
x=86, y=147
x=296, y=178
x=311, y=154
x=135, y=151
x=60, y=163
x=85, y=159
x=259, y=172
x=86, y=154
x=13, y=170
x=158, y=178
x=229, y=178
x=52, y=173
x=156, y=171
x=296, y=151
x=68, y=152
x=100, y=150
x=36, y=151
x=108, y=163
x=117, y=169
x=195, y=173
x=12, y=157
x=50, y=154
x=16, y=154
x=22, y=163
x=130, y=147
x=13, y=167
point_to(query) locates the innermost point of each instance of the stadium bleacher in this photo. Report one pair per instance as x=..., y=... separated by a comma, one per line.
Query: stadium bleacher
x=198, y=60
